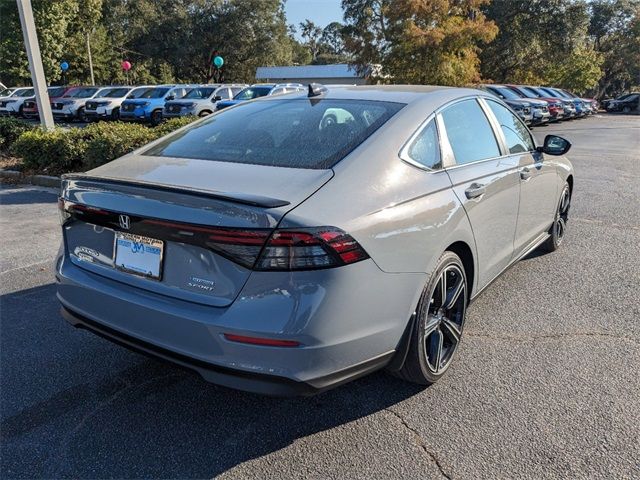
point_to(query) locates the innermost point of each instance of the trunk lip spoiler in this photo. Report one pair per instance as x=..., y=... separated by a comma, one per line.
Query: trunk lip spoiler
x=236, y=197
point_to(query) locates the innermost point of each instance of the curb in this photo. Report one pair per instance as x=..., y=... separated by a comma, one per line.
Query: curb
x=40, y=180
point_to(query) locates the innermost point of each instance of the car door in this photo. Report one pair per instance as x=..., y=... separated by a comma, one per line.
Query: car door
x=485, y=180
x=538, y=185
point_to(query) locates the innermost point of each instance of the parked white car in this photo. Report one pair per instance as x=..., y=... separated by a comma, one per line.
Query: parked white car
x=12, y=105
x=71, y=106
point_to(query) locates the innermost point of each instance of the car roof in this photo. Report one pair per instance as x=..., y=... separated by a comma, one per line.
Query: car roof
x=395, y=93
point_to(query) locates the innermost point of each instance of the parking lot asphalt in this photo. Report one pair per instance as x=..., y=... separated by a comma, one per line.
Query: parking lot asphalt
x=546, y=383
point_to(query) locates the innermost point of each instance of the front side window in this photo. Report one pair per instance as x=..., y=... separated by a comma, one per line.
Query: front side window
x=223, y=93
x=504, y=92
x=81, y=93
x=154, y=93
x=532, y=91
x=283, y=132
x=115, y=93
x=200, y=93
x=425, y=149
x=515, y=132
x=252, y=92
x=138, y=92
x=56, y=91
x=469, y=132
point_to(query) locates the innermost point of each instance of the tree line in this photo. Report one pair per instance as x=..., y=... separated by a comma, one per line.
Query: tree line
x=586, y=46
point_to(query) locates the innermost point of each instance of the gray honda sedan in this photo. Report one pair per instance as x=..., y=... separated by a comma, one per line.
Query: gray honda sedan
x=292, y=243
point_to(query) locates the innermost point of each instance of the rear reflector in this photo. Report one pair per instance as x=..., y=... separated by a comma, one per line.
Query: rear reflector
x=269, y=342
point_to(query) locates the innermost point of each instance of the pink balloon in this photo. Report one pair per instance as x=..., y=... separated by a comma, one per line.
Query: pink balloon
x=126, y=65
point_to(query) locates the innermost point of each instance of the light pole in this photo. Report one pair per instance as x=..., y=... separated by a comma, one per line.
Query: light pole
x=35, y=63
x=93, y=82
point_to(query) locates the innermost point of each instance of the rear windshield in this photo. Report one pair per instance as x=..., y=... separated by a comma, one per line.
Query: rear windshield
x=296, y=133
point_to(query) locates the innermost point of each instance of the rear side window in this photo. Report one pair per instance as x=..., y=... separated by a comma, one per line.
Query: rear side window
x=515, y=132
x=296, y=133
x=425, y=149
x=469, y=132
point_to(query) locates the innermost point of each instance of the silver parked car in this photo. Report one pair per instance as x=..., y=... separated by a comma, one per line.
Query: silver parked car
x=295, y=242
x=201, y=101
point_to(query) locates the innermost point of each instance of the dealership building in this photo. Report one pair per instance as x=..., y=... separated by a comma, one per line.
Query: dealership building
x=340, y=73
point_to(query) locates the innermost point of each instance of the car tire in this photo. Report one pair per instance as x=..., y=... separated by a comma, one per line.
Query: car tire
x=156, y=117
x=115, y=114
x=626, y=109
x=80, y=116
x=437, y=328
x=21, y=112
x=559, y=228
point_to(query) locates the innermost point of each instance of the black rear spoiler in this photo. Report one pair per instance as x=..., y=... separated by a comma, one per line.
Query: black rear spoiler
x=243, y=198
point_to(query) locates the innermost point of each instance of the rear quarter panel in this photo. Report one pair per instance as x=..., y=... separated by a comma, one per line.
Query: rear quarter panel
x=403, y=216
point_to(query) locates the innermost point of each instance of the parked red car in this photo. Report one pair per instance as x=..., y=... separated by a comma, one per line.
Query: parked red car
x=30, y=106
x=556, y=106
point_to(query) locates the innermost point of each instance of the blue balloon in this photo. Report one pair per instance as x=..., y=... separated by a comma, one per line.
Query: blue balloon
x=218, y=61
x=64, y=66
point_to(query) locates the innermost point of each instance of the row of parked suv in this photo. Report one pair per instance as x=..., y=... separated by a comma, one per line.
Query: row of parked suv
x=539, y=105
x=152, y=103
x=146, y=103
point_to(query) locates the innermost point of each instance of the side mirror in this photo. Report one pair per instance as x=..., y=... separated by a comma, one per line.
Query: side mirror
x=217, y=98
x=555, y=145
x=170, y=97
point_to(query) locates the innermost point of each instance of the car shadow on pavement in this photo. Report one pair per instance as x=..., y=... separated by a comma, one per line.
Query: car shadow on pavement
x=25, y=197
x=75, y=405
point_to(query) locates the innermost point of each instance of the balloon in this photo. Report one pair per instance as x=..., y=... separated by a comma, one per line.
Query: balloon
x=126, y=65
x=64, y=66
x=218, y=61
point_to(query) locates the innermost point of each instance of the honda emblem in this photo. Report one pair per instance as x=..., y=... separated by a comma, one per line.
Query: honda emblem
x=125, y=223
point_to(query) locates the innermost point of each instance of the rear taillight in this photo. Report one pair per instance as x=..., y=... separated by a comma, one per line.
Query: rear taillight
x=257, y=249
x=308, y=249
x=282, y=250
x=64, y=215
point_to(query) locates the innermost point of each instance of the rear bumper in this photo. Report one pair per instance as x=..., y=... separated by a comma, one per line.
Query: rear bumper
x=347, y=326
x=228, y=377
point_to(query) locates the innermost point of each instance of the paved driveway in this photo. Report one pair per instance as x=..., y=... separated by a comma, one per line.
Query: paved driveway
x=546, y=384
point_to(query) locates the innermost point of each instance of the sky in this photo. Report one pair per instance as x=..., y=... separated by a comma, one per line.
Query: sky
x=320, y=12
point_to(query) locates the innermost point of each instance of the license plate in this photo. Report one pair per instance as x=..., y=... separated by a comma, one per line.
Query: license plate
x=139, y=255
x=101, y=110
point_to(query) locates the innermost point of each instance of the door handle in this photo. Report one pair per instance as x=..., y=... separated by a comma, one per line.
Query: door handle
x=475, y=190
x=525, y=174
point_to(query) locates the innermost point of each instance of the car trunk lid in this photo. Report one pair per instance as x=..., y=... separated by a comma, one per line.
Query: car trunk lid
x=206, y=221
